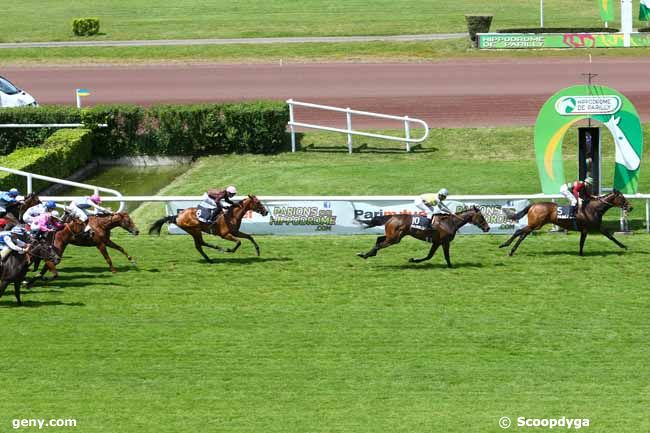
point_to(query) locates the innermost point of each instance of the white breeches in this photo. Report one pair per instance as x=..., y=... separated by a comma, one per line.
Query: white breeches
x=566, y=192
x=78, y=213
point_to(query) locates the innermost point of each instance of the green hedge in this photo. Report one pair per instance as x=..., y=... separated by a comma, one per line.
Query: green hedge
x=560, y=30
x=189, y=130
x=644, y=29
x=13, y=138
x=85, y=26
x=61, y=155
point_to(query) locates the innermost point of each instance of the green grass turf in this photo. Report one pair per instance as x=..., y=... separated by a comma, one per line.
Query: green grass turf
x=276, y=344
x=50, y=20
x=297, y=53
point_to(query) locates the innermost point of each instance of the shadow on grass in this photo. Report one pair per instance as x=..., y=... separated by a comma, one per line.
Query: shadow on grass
x=616, y=252
x=244, y=260
x=38, y=304
x=430, y=265
x=365, y=148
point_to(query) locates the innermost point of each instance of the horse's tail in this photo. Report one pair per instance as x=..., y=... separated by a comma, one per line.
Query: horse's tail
x=378, y=220
x=517, y=216
x=155, y=227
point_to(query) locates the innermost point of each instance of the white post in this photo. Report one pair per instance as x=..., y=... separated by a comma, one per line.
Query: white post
x=647, y=215
x=293, y=131
x=407, y=133
x=349, y=116
x=626, y=21
x=29, y=184
x=541, y=13
x=76, y=92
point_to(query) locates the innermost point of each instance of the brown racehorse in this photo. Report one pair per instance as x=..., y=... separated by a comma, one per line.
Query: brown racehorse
x=589, y=219
x=443, y=231
x=226, y=225
x=73, y=234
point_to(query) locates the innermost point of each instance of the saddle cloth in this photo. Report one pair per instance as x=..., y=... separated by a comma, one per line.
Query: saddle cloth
x=205, y=214
x=421, y=223
x=565, y=213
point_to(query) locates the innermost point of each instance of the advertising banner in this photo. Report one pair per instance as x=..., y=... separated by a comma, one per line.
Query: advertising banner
x=342, y=216
x=560, y=40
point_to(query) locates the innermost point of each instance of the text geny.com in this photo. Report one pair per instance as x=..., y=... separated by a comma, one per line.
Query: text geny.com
x=40, y=423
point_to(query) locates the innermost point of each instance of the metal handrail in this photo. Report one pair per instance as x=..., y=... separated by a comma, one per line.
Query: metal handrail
x=349, y=131
x=94, y=188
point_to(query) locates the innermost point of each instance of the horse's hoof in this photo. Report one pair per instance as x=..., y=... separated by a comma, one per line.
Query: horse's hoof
x=362, y=255
x=412, y=260
x=503, y=246
x=113, y=270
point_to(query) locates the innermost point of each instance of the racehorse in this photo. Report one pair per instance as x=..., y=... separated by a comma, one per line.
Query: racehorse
x=15, y=266
x=16, y=210
x=588, y=219
x=226, y=225
x=442, y=231
x=101, y=225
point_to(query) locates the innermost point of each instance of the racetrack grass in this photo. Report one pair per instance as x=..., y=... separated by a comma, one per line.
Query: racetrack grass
x=437, y=50
x=309, y=337
x=36, y=20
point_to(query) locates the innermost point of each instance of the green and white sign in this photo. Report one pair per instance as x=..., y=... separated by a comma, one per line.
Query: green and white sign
x=598, y=103
x=560, y=40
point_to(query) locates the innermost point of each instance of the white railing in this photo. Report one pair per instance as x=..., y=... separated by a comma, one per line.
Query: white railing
x=349, y=131
x=31, y=176
x=169, y=198
x=47, y=125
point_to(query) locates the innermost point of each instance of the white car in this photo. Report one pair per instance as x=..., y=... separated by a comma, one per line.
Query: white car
x=12, y=96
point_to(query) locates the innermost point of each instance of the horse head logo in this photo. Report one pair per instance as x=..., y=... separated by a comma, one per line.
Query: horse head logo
x=625, y=153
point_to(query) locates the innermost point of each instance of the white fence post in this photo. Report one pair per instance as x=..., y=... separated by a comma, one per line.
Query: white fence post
x=29, y=184
x=647, y=215
x=407, y=133
x=349, y=116
x=293, y=131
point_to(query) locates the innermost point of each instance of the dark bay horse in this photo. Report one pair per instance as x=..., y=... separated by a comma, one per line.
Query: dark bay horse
x=226, y=225
x=14, y=268
x=589, y=219
x=73, y=234
x=443, y=231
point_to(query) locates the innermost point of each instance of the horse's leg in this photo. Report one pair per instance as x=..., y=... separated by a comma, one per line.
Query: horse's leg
x=611, y=237
x=525, y=232
x=198, y=242
x=232, y=238
x=432, y=251
x=41, y=276
x=17, y=285
x=3, y=287
x=102, y=249
x=583, y=237
x=382, y=242
x=250, y=238
x=445, y=249
x=37, y=263
x=512, y=238
x=110, y=243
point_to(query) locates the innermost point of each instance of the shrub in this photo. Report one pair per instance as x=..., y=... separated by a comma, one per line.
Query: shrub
x=13, y=138
x=62, y=153
x=85, y=26
x=560, y=30
x=477, y=24
x=644, y=29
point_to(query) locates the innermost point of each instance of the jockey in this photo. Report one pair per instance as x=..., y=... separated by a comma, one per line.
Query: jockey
x=45, y=223
x=575, y=191
x=14, y=240
x=87, y=206
x=428, y=202
x=35, y=211
x=8, y=198
x=214, y=201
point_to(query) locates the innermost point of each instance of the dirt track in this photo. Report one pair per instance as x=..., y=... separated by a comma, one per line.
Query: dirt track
x=452, y=93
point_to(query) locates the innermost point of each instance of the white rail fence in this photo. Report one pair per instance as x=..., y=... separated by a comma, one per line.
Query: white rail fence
x=330, y=199
x=94, y=188
x=407, y=139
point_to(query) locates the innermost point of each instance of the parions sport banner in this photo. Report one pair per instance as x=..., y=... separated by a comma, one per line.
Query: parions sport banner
x=341, y=216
